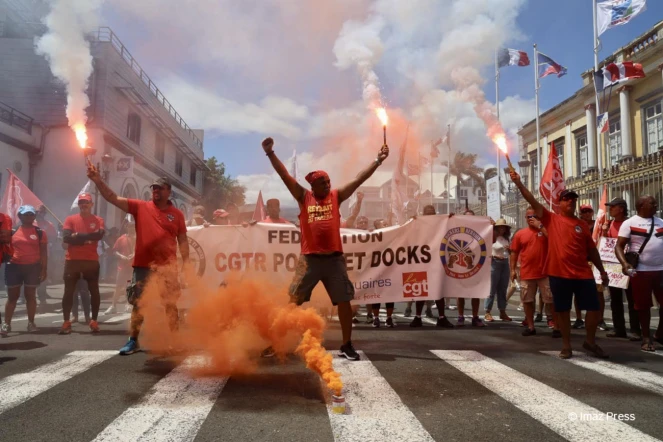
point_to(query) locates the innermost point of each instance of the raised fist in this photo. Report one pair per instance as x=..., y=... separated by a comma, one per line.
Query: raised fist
x=268, y=144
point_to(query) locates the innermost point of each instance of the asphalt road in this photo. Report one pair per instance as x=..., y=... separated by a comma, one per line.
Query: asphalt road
x=412, y=384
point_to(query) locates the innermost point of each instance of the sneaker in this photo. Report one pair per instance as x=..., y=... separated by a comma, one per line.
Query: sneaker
x=556, y=334
x=461, y=321
x=376, y=323
x=390, y=322
x=603, y=326
x=111, y=310
x=504, y=317
x=429, y=313
x=408, y=312
x=539, y=317
x=416, y=322
x=355, y=320
x=595, y=350
x=444, y=322
x=453, y=307
x=130, y=347
x=66, y=328
x=348, y=351
x=477, y=322
x=5, y=329
x=488, y=317
x=524, y=323
x=551, y=323
x=578, y=324
x=369, y=318
x=268, y=352
x=94, y=326
x=32, y=327
x=529, y=332
x=520, y=308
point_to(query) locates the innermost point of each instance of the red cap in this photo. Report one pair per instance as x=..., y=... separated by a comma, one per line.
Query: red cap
x=315, y=175
x=586, y=207
x=85, y=197
x=220, y=213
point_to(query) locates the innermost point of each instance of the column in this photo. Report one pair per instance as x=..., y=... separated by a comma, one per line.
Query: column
x=590, y=114
x=568, y=154
x=625, y=120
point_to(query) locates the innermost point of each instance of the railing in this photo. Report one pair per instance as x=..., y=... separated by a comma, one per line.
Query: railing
x=106, y=34
x=15, y=118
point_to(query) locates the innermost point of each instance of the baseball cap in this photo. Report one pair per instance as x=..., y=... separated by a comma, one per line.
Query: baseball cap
x=567, y=193
x=199, y=210
x=586, y=208
x=24, y=210
x=161, y=182
x=617, y=202
x=85, y=197
x=220, y=213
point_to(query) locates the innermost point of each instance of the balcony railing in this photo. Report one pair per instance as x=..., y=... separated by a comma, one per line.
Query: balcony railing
x=15, y=118
x=106, y=34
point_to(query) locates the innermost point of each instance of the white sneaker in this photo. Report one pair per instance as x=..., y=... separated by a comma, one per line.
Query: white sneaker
x=128, y=308
x=111, y=310
x=32, y=327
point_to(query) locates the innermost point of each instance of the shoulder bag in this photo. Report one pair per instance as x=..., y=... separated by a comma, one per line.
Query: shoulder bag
x=633, y=258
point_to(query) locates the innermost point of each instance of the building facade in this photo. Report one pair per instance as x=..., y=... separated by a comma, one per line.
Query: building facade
x=627, y=158
x=128, y=118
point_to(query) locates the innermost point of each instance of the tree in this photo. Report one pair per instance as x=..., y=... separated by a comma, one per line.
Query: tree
x=220, y=189
x=463, y=167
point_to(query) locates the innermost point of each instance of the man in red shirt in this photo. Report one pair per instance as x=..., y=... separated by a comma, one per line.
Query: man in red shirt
x=322, y=256
x=570, y=246
x=530, y=245
x=274, y=213
x=618, y=211
x=81, y=233
x=160, y=231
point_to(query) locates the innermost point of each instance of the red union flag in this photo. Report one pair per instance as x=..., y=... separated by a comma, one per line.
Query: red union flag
x=600, y=216
x=16, y=195
x=552, y=181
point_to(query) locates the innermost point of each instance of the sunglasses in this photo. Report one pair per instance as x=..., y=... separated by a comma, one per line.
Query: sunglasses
x=531, y=216
x=84, y=202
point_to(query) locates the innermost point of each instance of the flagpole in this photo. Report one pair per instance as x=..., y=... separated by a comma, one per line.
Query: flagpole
x=595, y=46
x=538, y=128
x=448, y=170
x=432, y=195
x=497, y=105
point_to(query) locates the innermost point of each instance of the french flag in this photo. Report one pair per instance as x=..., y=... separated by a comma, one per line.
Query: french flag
x=549, y=66
x=614, y=73
x=511, y=57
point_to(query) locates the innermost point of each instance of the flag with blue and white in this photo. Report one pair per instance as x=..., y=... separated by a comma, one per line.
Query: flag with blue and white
x=617, y=12
x=548, y=66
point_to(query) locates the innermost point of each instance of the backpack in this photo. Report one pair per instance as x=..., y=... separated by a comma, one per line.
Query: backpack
x=40, y=232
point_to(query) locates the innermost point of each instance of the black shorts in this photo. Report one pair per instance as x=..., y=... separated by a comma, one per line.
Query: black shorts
x=17, y=275
x=563, y=290
x=330, y=269
x=77, y=269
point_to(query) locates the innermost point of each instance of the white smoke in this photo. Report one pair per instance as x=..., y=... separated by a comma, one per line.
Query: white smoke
x=68, y=52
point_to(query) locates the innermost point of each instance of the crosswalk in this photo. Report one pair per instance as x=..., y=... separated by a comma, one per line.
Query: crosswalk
x=561, y=399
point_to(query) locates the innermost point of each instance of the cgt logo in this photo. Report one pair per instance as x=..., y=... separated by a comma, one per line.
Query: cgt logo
x=415, y=284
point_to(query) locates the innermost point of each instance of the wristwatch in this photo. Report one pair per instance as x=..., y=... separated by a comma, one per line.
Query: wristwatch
x=377, y=160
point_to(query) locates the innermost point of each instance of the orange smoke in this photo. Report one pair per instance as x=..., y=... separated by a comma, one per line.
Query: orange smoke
x=233, y=324
x=81, y=134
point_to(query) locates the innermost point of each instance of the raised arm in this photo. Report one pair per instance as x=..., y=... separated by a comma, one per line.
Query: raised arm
x=105, y=191
x=537, y=206
x=296, y=190
x=350, y=222
x=347, y=190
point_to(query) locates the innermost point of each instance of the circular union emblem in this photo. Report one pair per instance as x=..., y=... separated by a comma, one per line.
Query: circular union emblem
x=578, y=229
x=462, y=252
x=196, y=256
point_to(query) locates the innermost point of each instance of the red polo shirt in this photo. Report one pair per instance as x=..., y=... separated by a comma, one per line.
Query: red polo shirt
x=320, y=224
x=6, y=224
x=156, y=232
x=532, y=245
x=569, y=243
x=80, y=224
x=26, y=245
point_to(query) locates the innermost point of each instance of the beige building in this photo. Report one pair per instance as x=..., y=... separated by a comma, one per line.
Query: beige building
x=630, y=152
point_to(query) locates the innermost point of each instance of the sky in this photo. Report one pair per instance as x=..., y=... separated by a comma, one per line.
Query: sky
x=310, y=74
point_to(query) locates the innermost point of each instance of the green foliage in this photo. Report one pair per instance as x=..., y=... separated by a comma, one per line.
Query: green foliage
x=219, y=189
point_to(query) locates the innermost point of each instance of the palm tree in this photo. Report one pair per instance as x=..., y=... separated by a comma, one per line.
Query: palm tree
x=463, y=167
x=489, y=173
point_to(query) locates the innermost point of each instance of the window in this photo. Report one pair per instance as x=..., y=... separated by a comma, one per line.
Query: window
x=583, y=154
x=462, y=193
x=615, y=141
x=559, y=147
x=192, y=175
x=160, y=148
x=178, y=163
x=653, y=128
x=133, y=128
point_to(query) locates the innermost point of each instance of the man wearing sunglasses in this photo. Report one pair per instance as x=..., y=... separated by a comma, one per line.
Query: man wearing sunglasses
x=81, y=234
x=570, y=246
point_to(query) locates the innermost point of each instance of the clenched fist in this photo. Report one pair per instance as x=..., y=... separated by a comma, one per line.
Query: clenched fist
x=268, y=145
x=384, y=153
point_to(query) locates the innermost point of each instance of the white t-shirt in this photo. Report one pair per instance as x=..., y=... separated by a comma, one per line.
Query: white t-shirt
x=500, y=247
x=636, y=229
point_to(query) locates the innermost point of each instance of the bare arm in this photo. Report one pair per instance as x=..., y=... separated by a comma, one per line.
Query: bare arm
x=347, y=190
x=537, y=206
x=43, y=260
x=621, y=257
x=105, y=191
x=350, y=222
x=183, y=244
x=513, y=263
x=296, y=190
x=595, y=258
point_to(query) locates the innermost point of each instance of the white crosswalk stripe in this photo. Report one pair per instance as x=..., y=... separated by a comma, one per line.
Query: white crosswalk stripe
x=559, y=412
x=173, y=410
x=19, y=388
x=374, y=411
x=118, y=318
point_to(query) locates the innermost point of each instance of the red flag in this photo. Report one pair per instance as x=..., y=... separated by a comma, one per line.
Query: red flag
x=600, y=216
x=16, y=195
x=552, y=181
x=259, y=213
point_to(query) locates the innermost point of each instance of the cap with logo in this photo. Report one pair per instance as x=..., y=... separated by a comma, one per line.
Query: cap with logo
x=85, y=197
x=586, y=208
x=161, y=182
x=24, y=210
x=567, y=193
x=617, y=202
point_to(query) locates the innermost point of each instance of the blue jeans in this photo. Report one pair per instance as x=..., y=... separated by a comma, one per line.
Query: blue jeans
x=499, y=282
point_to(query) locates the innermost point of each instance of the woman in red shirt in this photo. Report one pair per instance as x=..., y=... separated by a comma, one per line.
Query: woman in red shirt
x=26, y=268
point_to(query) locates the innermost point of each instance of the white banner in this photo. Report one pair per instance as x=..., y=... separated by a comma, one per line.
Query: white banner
x=124, y=167
x=611, y=264
x=493, y=196
x=427, y=258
